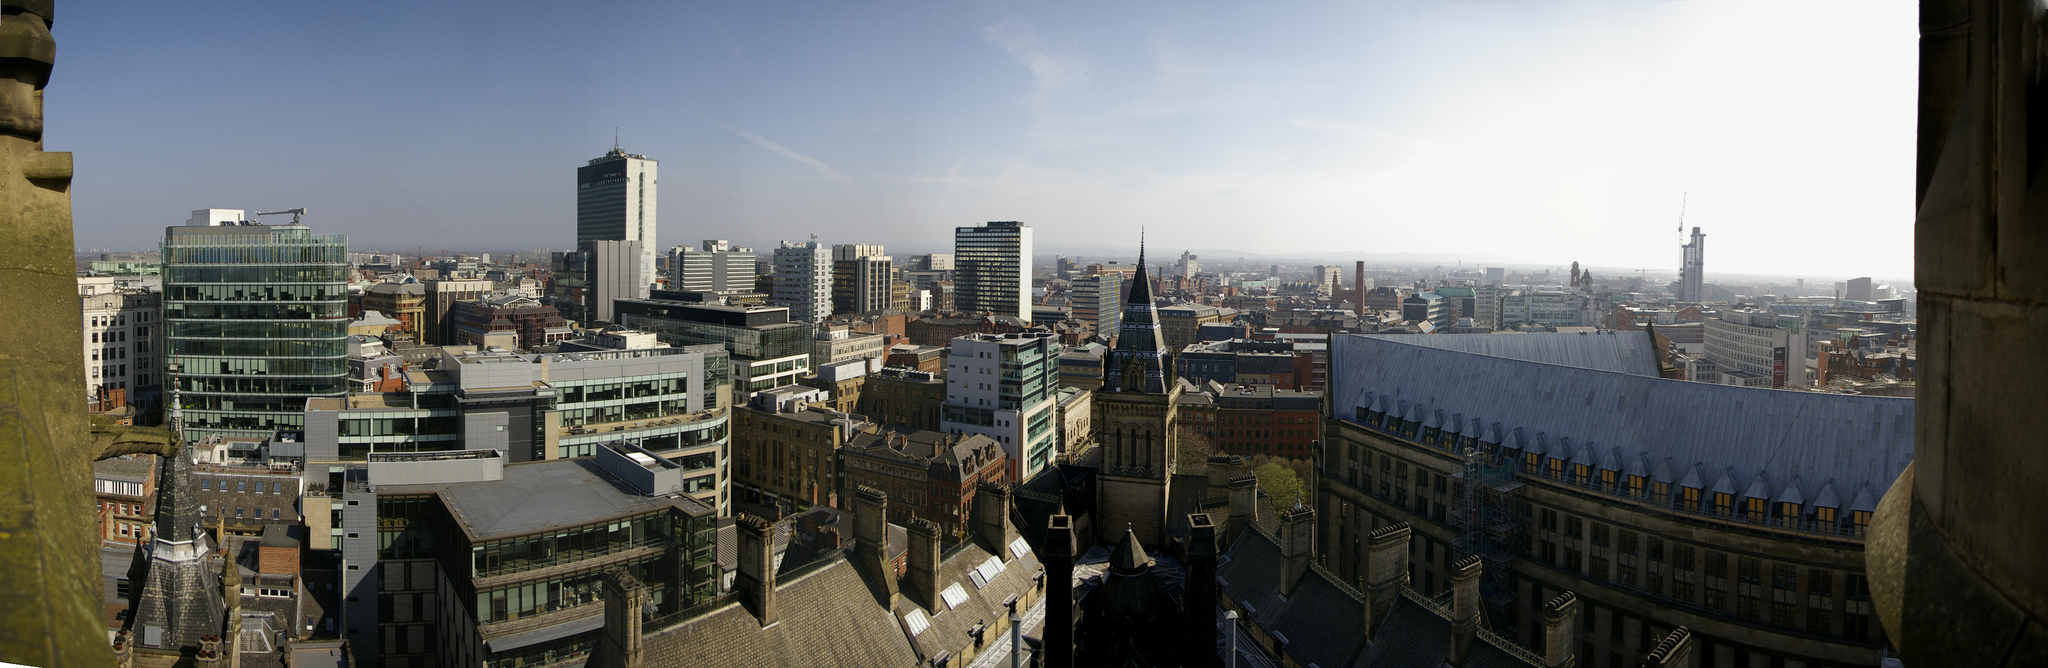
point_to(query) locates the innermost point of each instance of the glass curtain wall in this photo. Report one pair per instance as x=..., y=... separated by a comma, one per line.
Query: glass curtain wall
x=257, y=318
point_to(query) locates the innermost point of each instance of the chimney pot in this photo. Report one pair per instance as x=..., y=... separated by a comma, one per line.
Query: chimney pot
x=1560, y=630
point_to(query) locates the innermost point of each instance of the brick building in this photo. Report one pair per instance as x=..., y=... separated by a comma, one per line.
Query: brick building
x=533, y=323
x=928, y=474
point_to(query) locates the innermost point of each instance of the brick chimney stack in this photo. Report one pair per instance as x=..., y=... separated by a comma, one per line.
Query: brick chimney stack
x=1673, y=651
x=1297, y=545
x=923, y=572
x=871, y=536
x=992, y=517
x=757, y=566
x=1358, y=289
x=1386, y=572
x=1560, y=630
x=1464, y=608
x=1244, y=506
x=1058, y=558
x=1200, y=597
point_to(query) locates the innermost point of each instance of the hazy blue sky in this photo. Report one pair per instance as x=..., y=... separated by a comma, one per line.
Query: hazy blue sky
x=1543, y=132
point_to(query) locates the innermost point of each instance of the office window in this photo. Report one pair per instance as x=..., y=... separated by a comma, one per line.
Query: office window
x=1627, y=541
x=1717, y=564
x=1574, y=528
x=1600, y=535
x=1820, y=582
x=1750, y=571
x=1785, y=576
x=1817, y=621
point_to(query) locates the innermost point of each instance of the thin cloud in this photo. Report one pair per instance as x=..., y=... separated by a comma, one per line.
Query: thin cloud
x=785, y=151
x=1049, y=70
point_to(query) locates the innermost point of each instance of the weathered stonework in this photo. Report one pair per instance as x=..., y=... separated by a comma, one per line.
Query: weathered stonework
x=49, y=612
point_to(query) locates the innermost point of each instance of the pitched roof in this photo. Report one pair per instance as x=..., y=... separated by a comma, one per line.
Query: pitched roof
x=1704, y=429
x=1624, y=352
x=828, y=618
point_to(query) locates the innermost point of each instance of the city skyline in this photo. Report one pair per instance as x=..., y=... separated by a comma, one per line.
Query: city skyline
x=1583, y=127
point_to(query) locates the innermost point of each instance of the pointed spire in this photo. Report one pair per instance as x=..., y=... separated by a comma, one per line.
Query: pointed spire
x=1129, y=558
x=177, y=505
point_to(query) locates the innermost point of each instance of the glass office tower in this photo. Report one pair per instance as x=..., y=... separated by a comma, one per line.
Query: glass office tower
x=256, y=317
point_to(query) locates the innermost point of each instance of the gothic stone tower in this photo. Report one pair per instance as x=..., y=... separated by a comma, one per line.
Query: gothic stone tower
x=1135, y=422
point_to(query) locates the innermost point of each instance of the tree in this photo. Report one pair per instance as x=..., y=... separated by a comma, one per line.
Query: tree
x=1279, y=480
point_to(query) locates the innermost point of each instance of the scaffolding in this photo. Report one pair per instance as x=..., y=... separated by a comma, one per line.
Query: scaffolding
x=1489, y=521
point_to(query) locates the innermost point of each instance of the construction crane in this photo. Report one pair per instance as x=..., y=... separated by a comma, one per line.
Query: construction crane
x=294, y=212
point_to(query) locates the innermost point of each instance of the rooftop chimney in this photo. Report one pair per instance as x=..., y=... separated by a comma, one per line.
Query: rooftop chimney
x=1358, y=289
x=1222, y=467
x=1560, y=630
x=1464, y=608
x=871, y=537
x=1673, y=651
x=992, y=517
x=624, y=600
x=1386, y=572
x=1059, y=583
x=1200, y=599
x=1244, y=506
x=757, y=566
x=924, y=563
x=1297, y=541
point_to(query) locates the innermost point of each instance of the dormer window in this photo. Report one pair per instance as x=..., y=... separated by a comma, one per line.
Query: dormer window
x=1724, y=503
x=1691, y=498
x=1581, y=473
x=1755, y=509
x=1858, y=521
x=1635, y=487
x=1557, y=469
x=1607, y=479
x=1825, y=515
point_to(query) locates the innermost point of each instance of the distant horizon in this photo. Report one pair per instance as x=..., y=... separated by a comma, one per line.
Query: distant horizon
x=1531, y=133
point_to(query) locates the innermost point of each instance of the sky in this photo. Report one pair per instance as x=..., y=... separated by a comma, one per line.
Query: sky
x=1500, y=131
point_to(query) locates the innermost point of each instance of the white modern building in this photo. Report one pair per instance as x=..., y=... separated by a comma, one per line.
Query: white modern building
x=1543, y=306
x=992, y=269
x=803, y=280
x=1756, y=348
x=1006, y=386
x=615, y=201
x=123, y=340
x=716, y=266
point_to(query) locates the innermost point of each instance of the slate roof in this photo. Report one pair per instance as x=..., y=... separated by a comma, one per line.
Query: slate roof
x=1625, y=352
x=827, y=618
x=984, y=605
x=1324, y=620
x=1718, y=434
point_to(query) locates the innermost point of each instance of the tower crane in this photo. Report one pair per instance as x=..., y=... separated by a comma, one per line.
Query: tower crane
x=294, y=212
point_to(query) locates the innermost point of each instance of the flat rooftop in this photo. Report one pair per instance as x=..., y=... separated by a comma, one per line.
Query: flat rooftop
x=543, y=496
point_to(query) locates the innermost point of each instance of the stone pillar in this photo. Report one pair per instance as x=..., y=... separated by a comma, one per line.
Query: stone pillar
x=1673, y=651
x=1464, y=608
x=757, y=566
x=1386, y=572
x=1560, y=631
x=922, y=573
x=1297, y=546
x=625, y=599
x=51, y=556
x=1058, y=557
x=1955, y=554
x=1244, y=506
x=1200, y=598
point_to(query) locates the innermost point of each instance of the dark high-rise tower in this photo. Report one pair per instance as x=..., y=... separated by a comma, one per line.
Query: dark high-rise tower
x=615, y=201
x=1689, y=271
